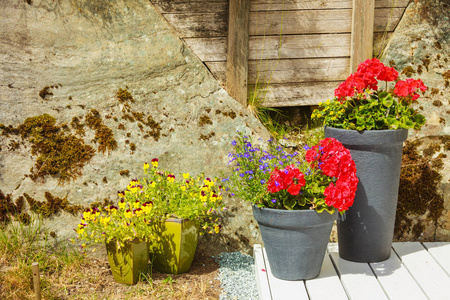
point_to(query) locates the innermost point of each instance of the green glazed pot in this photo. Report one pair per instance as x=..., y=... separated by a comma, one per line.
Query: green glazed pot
x=129, y=261
x=173, y=250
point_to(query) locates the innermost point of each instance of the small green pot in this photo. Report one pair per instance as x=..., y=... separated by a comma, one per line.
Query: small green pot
x=129, y=261
x=174, y=249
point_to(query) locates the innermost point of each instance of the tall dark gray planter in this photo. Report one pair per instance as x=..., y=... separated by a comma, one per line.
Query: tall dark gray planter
x=295, y=240
x=366, y=230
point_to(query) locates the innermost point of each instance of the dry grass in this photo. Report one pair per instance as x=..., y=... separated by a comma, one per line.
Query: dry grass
x=65, y=274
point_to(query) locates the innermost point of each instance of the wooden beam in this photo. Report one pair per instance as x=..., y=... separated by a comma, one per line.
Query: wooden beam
x=363, y=16
x=237, y=50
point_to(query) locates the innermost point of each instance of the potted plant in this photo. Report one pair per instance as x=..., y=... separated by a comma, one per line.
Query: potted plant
x=294, y=202
x=183, y=207
x=372, y=120
x=125, y=230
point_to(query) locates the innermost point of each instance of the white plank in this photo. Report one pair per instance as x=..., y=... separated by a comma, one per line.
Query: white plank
x=285, y=289
x=396, y=280
x=441, y=253
x=261, y=274
x=429, y=275
x=357, y=278
x=327, y=285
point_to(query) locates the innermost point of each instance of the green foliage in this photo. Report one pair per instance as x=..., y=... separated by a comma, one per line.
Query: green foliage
x=154, y=198
x=379, y=111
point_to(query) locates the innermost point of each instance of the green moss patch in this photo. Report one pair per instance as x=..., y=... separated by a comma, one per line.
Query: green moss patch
x=104, y=136
x=60, y=154
x=52, y=205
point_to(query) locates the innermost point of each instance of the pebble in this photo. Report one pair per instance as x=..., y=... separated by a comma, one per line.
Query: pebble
x=237, y=276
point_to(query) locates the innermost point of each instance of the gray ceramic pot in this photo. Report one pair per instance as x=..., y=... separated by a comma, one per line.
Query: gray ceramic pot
x=295, y=240
x=366, y=230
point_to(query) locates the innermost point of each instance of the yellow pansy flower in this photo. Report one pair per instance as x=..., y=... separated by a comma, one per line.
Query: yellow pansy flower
x=185, y=175
x=146, y=166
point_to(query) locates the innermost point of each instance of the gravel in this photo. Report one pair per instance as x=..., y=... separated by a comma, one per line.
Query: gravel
x=237, y=276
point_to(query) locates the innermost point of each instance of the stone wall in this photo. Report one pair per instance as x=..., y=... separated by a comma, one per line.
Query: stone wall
x=118, y=88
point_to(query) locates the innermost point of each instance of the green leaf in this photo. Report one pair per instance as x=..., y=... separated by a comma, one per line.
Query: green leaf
x=289, y=203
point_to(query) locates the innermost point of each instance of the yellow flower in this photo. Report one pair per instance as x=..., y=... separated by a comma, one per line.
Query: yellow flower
x=185, y=175
x=331, y=113
x=122, y=204
x=147, y=207
x=80, y=231
x=139, y=212
x=328, y=102
x=154, y=163
x=121, y=194
x=183, y=188
x=136, y=204
x=153, y=184
x=146, y=166
x=216, y=228
x=128, y=214
x=105, y=220
x=320, y=103
x=333, y=118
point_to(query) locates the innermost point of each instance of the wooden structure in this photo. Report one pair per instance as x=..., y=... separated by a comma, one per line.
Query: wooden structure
x=301, y=47
x=414, y=271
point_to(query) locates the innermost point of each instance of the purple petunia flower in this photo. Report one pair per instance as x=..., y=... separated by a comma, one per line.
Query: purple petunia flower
x=274, y=200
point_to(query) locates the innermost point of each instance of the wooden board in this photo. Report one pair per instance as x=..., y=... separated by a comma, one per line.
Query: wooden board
x=289, y=22
x=292, y=70
x=284, y=289
x=288, y=46
x=237, y=52
x=262, y=280
x=440, y=252
x=300, y=94
x=358, y=279
x=423, y=267
x=201, y=6
x=327, y=285
x=396, y=280
x=363, y=13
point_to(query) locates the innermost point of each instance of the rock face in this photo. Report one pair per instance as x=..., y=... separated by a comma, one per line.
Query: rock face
x=420, y=48
x=89, y=91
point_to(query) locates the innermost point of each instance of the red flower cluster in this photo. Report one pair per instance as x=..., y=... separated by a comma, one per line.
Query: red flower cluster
x=289, y=178
x=366, y=76
x=407, y=87
x=335, y=161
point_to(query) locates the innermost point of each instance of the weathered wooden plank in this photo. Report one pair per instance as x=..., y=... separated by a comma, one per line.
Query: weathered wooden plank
x=294, y=22
x=262, y=280
x=426, y=271
x=327, y=278
x=395, y=279
x=298, y=94
x=290, y=70
x=261, y=5
x=291, y=46
x=284, y=289
x=201, y=6
x=317, y=21
x=199, y=24
x=363, y=15
x=237, y=50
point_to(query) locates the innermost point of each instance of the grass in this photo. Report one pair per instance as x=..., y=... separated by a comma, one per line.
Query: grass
x=67, y=274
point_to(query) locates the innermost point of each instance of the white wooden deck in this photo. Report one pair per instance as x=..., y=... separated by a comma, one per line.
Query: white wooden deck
x=414, y=271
